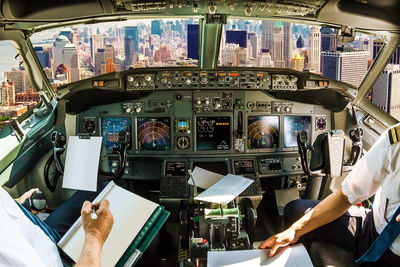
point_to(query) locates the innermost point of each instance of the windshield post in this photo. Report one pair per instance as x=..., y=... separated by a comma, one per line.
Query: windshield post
x=210, y=39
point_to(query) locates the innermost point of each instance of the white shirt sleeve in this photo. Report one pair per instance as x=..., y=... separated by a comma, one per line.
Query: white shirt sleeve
x=365, y=178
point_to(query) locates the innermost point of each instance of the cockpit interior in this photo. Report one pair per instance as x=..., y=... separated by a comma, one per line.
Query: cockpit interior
x=289, y=94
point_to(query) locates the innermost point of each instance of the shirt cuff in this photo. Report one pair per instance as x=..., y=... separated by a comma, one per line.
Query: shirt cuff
x=348, y=192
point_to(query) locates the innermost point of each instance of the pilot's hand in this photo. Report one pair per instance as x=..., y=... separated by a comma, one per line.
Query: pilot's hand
x=98, y=228
x=26, y=196
x=282, y=239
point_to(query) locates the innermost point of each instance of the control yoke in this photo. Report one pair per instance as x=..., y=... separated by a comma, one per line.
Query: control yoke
x=123, y=140
x=58, y=140
x=304, y=148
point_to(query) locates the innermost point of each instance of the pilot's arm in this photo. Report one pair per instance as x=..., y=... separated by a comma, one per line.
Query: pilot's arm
x=96, y=232
x=363, y=182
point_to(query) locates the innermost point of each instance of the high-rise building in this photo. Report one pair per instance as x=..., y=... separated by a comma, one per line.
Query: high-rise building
x=239, y=56
x=278, y=46
x=297, y=63
x=155, y=27
x=43, y=56
x=328, y=39
x=7, y=93
x=20, y=79
x=163, y=54
x=99, y=59
x=63, y=74
x=300, y=42
x=349, y=67
x=287, y=42
x=59, y=44
x=253, y=43
x=237, y=37
x=386, y=90
x=227, y=54
x=314, y=59
x=109, y=52
x=109, y=66
x=67, y=32
x=265, y=60
x=266, y=34
x=367, y=44
x=131, y=45
x=378, y=44
x=70, y=58
x=96, y=42
x=193, y=41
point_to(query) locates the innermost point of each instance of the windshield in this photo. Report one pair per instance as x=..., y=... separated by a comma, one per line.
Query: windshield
x=83, y=51
x=257, y=43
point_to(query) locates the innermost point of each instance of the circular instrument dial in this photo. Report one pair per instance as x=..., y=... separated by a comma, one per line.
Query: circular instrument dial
x=90, y=126
x=183, y=142
x=154, y=135
x=262, y=135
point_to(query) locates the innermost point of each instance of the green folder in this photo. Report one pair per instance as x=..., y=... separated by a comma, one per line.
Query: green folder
x=144, y=238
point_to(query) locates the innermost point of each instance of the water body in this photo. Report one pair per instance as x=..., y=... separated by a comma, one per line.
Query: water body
x=7, y=57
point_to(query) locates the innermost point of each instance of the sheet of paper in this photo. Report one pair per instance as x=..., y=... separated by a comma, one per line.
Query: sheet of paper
x=203, y=178
x=130, y=213
x=294, y=256
x=225, y=190
x=82, y=163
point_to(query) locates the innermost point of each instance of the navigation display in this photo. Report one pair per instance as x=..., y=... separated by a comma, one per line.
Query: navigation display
x=242, y=167
x=175, y=168
x=213, y=133
x=153, y=134
x=292, y=125
x=263, y=132
x=110, y=128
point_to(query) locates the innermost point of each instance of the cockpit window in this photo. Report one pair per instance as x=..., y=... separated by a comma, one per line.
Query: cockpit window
x=83, y=51
x=257, y=43
x=16, y=92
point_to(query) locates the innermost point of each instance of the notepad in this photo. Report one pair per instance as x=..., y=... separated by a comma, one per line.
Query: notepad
x=136, y=222
x=82, y=163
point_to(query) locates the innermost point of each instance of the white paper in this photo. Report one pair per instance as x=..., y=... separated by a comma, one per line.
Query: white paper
x=130, y=213
x=203, y=178
x=82, y=163
x=293, y=256
x=225, y=190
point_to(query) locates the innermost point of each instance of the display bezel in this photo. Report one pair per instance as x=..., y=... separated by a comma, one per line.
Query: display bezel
x=165, y=163
x=279, y=132
x=310, y=137
x=212, y=150
x=100, y=123
x=170, y=134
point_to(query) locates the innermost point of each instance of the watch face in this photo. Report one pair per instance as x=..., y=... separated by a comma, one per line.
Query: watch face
x=38, y=204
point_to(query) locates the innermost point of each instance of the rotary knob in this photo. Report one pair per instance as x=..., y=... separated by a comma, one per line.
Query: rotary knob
x=131, y=78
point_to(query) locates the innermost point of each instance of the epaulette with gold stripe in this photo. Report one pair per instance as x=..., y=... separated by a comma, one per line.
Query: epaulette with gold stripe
x=394, y=134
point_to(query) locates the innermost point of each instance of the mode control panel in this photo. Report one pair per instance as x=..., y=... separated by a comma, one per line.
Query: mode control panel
x=280, y=166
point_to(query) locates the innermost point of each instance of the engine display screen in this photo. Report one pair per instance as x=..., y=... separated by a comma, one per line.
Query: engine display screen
x=213, y=133
x=153, y=134
x=292, y=125
x=175, y=168
x=110, y=128
x=263, y=132
x=242, y=167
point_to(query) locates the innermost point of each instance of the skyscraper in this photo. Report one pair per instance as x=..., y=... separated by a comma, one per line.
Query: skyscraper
x=253, y=42
x=349, y=67
x=266, y=34
x=386, y=90
x=314, y=60
x=155, y=27
x=59, y=44
x=278, y=46
x=367, y=44
x=193, y=41
x=378, y=44
x=96, y=42
x=43, y=56
x=328, y=39
x=287, y=42
x=100, y=59
x=69, y=33
x=239, y=56
x=237, y=37
x=20, y=79
x=7, y=91
x=131, y=45
x=70, y=58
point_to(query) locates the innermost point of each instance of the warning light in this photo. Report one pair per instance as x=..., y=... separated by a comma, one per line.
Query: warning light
x=260, y=75
x=204, y=241
x=221, y=74
x=321, y=83
x=101, y=83
x=234, y=74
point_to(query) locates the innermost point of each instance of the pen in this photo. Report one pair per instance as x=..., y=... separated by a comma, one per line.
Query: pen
x=94, y=215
